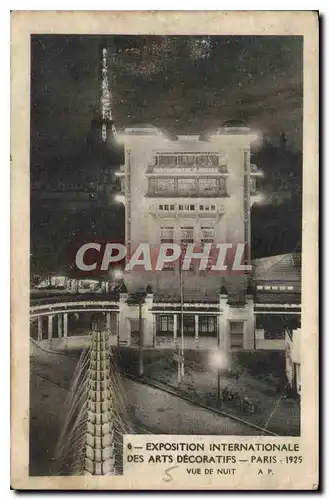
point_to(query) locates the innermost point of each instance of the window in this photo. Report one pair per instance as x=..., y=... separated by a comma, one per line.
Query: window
x=207, y=233
x=290, y=288
x=186, y=208
x=208, y=185
x=164, y=185
x=172, y=207
x=167, y=234
x=207, y=160
x=187, y=160
x=259, y=287
x=213, y=208
x=167, y=160
x=187, y=234
x=186, y=186
x=166, y=323
x=222, y=185
x=201, y=207
x=207, y=325
x=188, y=325
x=236, y=334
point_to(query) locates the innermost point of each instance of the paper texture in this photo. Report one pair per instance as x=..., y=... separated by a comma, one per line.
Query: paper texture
x=164, y=274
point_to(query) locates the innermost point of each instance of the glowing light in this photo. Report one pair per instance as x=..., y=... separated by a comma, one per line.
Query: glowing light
x=119, y=198
x=118, y=274
x=258, y=199
x=219, y=360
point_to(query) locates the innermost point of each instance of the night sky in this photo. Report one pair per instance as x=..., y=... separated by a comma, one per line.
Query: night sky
x=181, y=84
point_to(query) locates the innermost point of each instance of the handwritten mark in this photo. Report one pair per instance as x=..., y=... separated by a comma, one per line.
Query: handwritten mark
x=169, y=478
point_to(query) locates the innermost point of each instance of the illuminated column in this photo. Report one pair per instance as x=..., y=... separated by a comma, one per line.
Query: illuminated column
x=196, y=322
x=175, y=329
x=50, y=327
x=60, y=325
x=40, y=328
x=65, y=321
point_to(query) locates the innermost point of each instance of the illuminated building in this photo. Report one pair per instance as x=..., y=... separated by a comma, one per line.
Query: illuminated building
x=190, y=190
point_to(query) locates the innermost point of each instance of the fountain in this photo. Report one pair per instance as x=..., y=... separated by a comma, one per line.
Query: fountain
x=94, y=416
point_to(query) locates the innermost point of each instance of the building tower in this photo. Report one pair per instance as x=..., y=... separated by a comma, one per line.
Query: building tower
x=189, y=191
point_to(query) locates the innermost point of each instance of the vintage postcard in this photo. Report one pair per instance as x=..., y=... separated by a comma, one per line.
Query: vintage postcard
x=164, y=250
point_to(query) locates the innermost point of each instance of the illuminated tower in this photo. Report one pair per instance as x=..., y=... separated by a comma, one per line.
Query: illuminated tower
x=100, y=409
x=107, y=122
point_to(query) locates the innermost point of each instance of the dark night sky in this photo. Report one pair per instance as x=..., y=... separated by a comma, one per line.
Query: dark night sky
x=183, y=84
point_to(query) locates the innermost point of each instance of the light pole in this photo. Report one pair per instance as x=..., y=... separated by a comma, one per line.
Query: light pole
x=141, y=340
x=182, y=321
x=219, y=399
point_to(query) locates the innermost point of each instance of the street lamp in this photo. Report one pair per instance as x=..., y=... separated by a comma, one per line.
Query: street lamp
x=120, y=198
x=219, y=361
x=180, y=357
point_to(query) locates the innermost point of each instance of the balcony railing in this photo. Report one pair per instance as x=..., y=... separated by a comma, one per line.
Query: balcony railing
x=186, y=169
x=190, y=194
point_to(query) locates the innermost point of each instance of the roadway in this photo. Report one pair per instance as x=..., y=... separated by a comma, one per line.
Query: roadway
x=150, y=409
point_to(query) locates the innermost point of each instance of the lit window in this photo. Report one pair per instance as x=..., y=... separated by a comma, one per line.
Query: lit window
x=282, y=287
x=274, y=287
x=290, y=287
x=267, y=287
x=259, y=287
